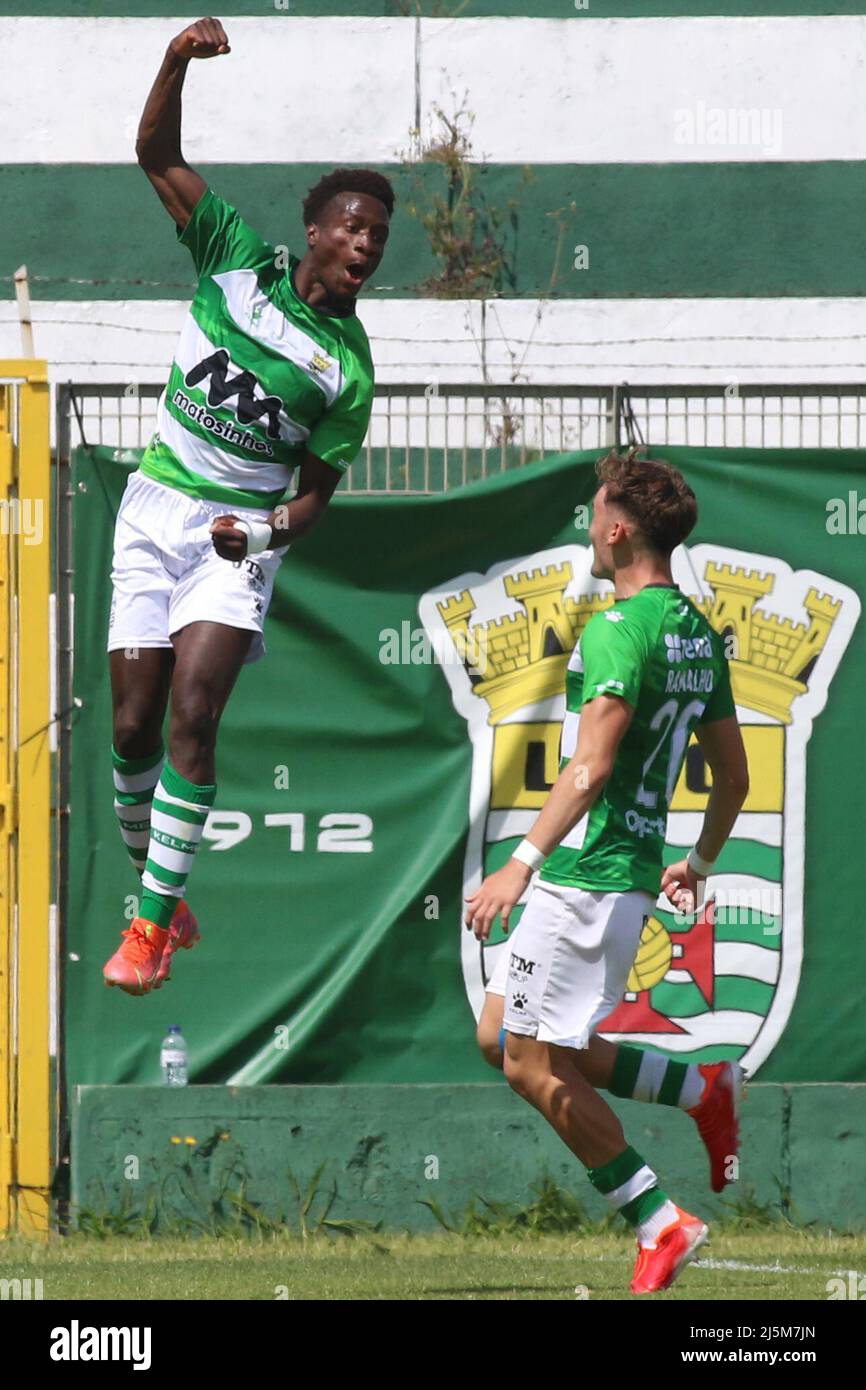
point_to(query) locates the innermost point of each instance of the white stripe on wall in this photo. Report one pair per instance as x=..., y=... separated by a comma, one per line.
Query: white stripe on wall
x=542, y=90
x=270, y=100
x=566, y=341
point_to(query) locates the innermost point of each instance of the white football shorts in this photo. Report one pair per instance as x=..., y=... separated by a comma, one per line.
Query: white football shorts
x=567, y=962
x=166, y=573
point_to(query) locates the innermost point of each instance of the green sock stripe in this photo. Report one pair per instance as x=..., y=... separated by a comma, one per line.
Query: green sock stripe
x=142, y=824
x=157, y=904
x=644, y=1206
x=176, y=785
x=186, y=813
x=612, y=1175
x=626, y=1066
x=157, y=907
x=163, y=875
x=129, y=767
x=674, y=1080
x=142, y=798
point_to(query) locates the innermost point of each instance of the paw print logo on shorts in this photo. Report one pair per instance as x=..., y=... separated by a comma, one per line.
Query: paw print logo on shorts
x=519, y=1001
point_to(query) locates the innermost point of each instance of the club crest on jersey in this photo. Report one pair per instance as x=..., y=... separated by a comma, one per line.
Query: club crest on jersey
x=728, y=979
x=319, y=362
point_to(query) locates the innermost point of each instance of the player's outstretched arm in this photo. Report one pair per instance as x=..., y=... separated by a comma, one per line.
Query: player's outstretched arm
x=158, y=145
x=722, y=746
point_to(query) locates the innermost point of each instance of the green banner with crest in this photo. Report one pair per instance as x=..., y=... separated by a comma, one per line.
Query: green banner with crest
x=398, y=740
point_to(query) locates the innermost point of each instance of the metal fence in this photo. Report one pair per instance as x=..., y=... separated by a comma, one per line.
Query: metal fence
x=432, y=438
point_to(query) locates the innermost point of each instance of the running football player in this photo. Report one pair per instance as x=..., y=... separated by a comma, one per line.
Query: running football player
x=647, y=672
x=272, y=374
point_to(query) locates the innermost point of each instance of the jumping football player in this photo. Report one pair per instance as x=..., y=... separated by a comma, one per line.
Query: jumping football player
x=272, y=373
x=646, y=672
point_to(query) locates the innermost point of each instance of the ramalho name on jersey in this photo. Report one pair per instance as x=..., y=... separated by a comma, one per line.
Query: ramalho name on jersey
x=658, y=652
x=259, y=375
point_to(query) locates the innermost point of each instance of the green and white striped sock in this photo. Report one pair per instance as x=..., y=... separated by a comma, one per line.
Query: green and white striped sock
x=177, y=820
x=641, y=1075
x=134, y=782
x=631, y=1188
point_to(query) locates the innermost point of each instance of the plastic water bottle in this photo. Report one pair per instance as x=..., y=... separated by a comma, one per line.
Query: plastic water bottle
x=173, y=1058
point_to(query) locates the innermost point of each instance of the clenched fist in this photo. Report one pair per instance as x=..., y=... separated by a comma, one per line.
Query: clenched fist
x=206, y=39
x=229, y=543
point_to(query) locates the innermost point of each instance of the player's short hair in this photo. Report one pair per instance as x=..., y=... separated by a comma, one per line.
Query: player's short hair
x=653, y=494
x=347, y=181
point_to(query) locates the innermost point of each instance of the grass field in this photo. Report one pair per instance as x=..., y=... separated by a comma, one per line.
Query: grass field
x=766, y=1265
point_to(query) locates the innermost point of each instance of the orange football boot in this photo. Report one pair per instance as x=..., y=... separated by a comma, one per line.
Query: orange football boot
x=134, y=966
x=658, y=1265
x=183, y=933
x=717, y=1117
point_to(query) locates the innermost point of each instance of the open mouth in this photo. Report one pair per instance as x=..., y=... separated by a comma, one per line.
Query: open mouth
x=355, y=273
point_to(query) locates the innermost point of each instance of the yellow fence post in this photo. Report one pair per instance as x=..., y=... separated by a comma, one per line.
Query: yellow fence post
x=7, y=830
x=27, y=809
x=34, y=1139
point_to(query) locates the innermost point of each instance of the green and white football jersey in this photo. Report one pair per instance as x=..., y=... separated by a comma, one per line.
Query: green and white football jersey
x=259, y=375
x=657, y=651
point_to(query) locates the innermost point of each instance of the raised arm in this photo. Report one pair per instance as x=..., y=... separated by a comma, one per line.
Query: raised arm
x=158, y=145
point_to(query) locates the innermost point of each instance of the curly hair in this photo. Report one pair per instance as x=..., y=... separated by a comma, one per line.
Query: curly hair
x=346, y=181
x=653, y=494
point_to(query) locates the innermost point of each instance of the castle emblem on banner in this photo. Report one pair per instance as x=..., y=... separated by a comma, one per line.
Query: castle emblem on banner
x=724, y=985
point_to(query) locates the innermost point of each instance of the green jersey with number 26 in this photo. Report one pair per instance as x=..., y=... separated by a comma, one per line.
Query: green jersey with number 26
x=658, y=652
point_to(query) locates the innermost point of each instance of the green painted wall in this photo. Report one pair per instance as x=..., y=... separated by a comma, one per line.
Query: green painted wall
x=436, y=9
x=700, y=230
x=377, y=1142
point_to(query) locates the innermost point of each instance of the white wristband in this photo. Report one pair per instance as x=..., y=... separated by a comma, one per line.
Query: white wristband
x=528, y=854
x=700, y=866
x=258, y=535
